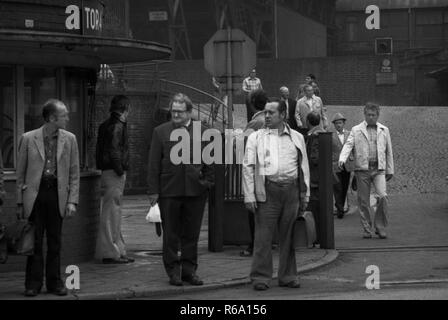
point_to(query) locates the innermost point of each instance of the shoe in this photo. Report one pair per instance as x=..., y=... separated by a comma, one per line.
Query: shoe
x=292, y=284
x=62, y=291
x=367, y=235
x=31, y=292
x=381, y=234
x=175, y=281
x=340, y=214
x=193, y=280
x=261, y=287
x=115, y=261
x=246, y=253
x=129, y=260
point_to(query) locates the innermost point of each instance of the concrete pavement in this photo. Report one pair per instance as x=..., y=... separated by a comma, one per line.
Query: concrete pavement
x=146, y=276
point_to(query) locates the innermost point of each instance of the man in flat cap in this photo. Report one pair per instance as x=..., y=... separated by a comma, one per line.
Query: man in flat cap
x=342, y=175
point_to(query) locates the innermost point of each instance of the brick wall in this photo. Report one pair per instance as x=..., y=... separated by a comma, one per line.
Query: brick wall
x=347, y=80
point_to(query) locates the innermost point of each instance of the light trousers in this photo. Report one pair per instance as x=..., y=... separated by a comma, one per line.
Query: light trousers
x=365, y=179
x=279, y=211
x=110, y=243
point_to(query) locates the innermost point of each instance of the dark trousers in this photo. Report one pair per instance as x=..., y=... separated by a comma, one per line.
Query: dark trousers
x=46, y=219
x=314, y=207
x=251, y=219
x=249, y=108
x=181, y=223
x=340, y=189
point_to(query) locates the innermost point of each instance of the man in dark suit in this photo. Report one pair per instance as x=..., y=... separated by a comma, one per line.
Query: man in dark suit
x=342, y=176
x=291, y=107
x=47, y=192
x=180, y=188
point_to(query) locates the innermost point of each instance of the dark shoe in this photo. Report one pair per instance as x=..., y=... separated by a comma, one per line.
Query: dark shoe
x=62, y=291
x=292, y=284
x=367, y=235
x=246, y=253
x=175, y=281
x=261, y=287
x=340, y=214
x=194, y=280
x=31, y=293
x=129, y=260
x=381, y=234
x=114, y=261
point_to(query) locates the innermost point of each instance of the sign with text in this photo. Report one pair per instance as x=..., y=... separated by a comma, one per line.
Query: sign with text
x=158, y=16
x=383, y=78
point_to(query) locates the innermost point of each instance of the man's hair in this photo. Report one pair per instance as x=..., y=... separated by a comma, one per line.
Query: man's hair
x=283, y=88
x=307, y=86
x=313, y=118
x=259, y=99
x=182, y=98
x=312, y=76
x=372, y=106
x=281, y=104
x=120, y=103
x=50, y=108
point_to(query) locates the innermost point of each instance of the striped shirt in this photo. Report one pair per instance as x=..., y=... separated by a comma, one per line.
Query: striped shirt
x=250, y=85
x=373, y=147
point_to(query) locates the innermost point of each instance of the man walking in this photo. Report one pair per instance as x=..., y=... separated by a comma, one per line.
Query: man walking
x=47, y=191
x=342, y=175
x=251, y=84
x=181, y=191
x=112, y=157
x=309, y=103
x=290, y=107
x=374, y=165
x=276, y=187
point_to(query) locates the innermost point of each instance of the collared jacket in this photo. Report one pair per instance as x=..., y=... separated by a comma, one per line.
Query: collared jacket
x=253, y=166
x=30, y=166
x=169, y=179
x=303, y=109
x=112, y=149
x=337, y=148
x=359, y=142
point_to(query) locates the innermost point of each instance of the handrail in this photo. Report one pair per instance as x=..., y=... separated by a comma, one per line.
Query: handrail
x=195, y=89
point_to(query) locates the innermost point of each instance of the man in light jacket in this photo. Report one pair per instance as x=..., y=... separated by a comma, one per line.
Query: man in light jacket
x=374, y=164
x=309, y=103
x=47, y=192
x=276, y=187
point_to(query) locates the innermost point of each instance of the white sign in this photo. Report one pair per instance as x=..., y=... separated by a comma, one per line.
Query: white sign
x=92, y=17
x=158, y=16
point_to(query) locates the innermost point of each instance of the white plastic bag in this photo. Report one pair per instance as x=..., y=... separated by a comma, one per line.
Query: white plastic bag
x=153, y=215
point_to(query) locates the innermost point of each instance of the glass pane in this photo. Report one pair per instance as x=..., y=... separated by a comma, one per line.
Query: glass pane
x=40, y=85
x=74, y=103
x=7, y=108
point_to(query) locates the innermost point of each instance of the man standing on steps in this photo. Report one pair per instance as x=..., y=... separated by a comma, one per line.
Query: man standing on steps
x=374, y=165
x=251, y=84
x=180, y=188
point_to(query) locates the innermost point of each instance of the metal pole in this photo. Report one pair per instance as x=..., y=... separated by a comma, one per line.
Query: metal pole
x=276, y=28
x=229, y=79
x=326, y=220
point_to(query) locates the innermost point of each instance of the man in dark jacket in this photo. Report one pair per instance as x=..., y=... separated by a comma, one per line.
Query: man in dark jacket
x=112, y=157
x=312, y=149
x=180, y=188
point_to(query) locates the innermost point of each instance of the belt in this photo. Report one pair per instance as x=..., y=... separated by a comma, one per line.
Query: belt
x=283, y=183
x=49, y=182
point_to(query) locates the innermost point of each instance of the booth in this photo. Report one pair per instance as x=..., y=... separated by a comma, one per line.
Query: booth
x=54, y=49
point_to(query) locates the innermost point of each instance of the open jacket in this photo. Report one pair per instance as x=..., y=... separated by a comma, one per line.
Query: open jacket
x=253, y=166
x=337, y=148
x=358, y=141
x=30, y=166
x=303, y=109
